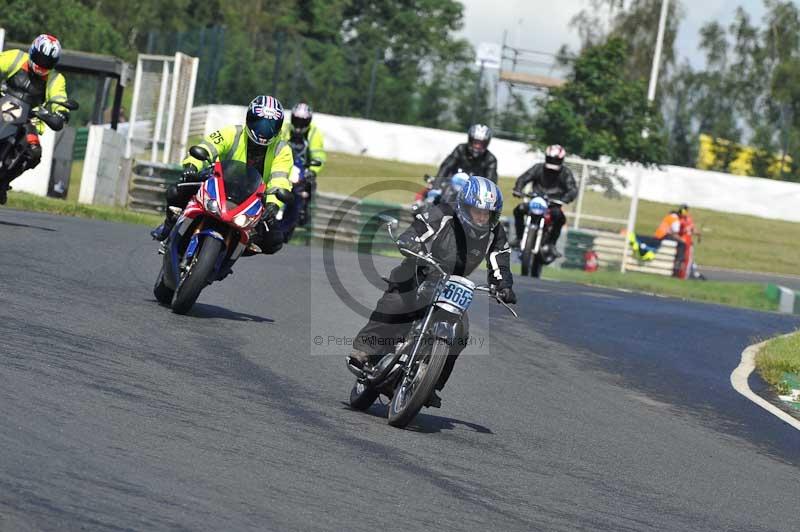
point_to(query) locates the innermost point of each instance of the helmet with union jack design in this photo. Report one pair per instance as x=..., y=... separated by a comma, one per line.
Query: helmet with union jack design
x=264, y=119
x=44, y=53
x=554, y=157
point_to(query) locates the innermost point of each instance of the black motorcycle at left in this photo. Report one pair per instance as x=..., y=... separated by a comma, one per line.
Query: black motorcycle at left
x=15, y=113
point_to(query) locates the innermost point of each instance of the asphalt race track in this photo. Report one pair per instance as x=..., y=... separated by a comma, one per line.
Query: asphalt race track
x=598, y=410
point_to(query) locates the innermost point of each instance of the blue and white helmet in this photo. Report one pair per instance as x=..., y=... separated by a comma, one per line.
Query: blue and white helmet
x=479, y=193
x=264, y=119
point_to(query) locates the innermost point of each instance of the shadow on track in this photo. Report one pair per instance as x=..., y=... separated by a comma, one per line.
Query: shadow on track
x=427, y=423
x=201, y=310
x=27, y=226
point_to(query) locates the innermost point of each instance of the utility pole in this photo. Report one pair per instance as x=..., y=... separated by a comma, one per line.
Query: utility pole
x=662, y=22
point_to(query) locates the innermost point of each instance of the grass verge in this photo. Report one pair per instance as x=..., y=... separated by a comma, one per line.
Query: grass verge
x=730, y=241
x=31, y=202
x=779, y=360
x=744, y=295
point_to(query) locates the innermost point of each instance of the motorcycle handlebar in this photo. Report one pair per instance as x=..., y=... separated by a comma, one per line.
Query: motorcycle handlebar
x=528, y=196
x=427, y=258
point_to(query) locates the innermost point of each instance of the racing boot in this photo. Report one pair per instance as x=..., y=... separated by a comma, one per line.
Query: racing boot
x=161, y=232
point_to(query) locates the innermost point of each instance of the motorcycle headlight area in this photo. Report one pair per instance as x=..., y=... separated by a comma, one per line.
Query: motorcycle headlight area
x=242, y=220
x=537, y=206
x=212, y=206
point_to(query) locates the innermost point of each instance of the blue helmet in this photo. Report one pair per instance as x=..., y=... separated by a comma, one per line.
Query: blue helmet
x=479, y=193
x=264, y=119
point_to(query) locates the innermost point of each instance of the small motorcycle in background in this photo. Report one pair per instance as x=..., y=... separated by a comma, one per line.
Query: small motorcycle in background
x=296, y=214
x=534, y=253
x=15, y=113
x=446, y=191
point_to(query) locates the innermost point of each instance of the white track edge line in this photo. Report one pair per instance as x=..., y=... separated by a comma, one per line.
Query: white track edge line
x=739, y=378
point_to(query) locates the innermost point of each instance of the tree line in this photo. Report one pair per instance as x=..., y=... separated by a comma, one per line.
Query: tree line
x=400, y=61
x=390, y=60
x=739, y=113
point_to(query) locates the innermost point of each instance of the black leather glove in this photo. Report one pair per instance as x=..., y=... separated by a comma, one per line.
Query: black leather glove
x=411, y=245
x=516, y=193
x=270, y=212
x=507, y=295
x=189, y=174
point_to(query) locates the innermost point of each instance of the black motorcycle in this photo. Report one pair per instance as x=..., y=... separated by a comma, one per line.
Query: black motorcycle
x=15, y=113
x=534, y=251
x=409, y=375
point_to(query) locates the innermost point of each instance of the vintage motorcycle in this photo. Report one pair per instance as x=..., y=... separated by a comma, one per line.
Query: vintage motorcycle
x=212, y=231
x=410, y=373
x=447, y=191
x=538, y=221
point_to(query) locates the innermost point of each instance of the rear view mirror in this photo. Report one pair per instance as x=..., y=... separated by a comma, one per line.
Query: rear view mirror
x=198, y=152
x=389, y=220
x=315, y=162
x=54, y=121
x=72, y=105
x=282, y=194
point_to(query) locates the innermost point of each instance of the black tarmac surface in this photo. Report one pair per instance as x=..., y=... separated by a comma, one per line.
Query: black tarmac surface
x=597, y=410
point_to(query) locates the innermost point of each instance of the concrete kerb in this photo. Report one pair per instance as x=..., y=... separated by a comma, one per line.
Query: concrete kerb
x=739, y=379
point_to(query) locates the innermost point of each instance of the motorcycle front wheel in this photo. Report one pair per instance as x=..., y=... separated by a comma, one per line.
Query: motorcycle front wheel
x=527, y=254
x=536, y=267
x=163, y=293
x=413, y=390
x=197, y=275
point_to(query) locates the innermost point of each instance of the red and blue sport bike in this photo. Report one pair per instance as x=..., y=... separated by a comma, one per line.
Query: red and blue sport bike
x=212, y=231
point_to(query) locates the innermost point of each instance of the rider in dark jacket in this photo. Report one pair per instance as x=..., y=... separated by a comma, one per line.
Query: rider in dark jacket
x=553, y=179
x=460, y=237
x=473, y=158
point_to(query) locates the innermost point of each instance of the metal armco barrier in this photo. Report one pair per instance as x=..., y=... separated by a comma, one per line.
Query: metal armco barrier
x=149, y=182
x=609, y=246
x=354, y=224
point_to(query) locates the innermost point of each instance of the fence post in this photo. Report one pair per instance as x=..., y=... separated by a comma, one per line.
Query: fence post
x=162, y=103
x=581, y=189
x=137, y=84
x=632, y=216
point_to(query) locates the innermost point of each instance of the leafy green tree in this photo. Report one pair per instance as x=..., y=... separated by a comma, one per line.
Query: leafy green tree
x=599, y=113
x=77, y=26
x=636, y=22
